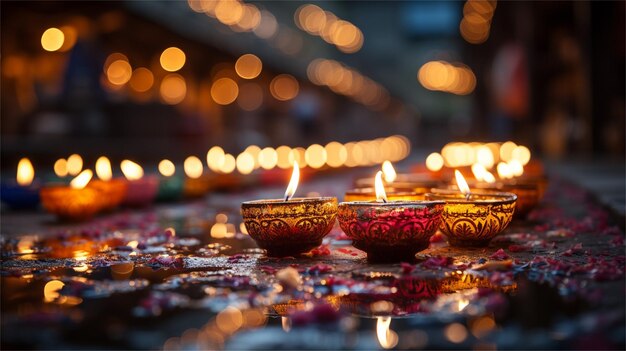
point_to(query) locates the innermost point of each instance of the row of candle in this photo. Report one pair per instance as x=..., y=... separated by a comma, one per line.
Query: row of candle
x=394, y=222
x=84, y=196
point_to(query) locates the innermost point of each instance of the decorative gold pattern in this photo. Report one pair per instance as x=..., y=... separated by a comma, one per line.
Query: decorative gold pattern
x=289, y=227
x=476, y=221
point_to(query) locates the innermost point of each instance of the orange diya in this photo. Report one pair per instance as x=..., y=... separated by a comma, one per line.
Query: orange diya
x=74, y=202
x=473, y=219
x=289, y=226
x=196, y=183
x=390, y=230
x=113, y=190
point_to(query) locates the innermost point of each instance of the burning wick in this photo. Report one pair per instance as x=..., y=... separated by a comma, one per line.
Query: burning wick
x=293, y=183
x=380, y=188
x=462, y=184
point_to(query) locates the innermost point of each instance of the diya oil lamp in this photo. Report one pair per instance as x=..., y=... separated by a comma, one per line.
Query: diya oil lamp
x=473, y=219
x=170, y=184
x=402, y=183
x=528, y=191
x=141, y=191
x=390, y=230
x=23, y=192
x=289, y=226
x=196, y=184
x=113, y=189
x=74, y=202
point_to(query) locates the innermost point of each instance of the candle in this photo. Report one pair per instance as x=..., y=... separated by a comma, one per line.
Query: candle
x=113, y=190
x=289, y=226
x=390, y=230
x=141, y=191
x=196, y=184
x=74, y=202
x=412, y=183
x=473, y=219
x=24, y=192
x=170, y=185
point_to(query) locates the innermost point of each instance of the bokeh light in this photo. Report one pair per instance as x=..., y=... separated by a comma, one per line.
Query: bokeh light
x=167, y=168
x=52, y=39
x=248, y=66
x=173, y=89
x=172, y=59
x=284, y=87
x=224, y=91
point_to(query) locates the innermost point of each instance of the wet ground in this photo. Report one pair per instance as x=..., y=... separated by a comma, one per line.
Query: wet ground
x=184, y=276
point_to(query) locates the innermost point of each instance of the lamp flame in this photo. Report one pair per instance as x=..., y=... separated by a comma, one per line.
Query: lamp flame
x=103, y=169
x=386, y=337
x=389, y=172
x=462, y=184
x=489, y=177
x=81, y=179
x=131, y=170
x=293, y=183
x=193, y=167
x=504, y=171
x=167, y=168
x=380, y=189
x=25, y=172
x=479, y=171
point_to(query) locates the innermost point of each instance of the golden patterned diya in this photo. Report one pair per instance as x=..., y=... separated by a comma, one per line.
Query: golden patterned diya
x=473, y=219
x=390, y=231
x=76, y=202
x=291, y=226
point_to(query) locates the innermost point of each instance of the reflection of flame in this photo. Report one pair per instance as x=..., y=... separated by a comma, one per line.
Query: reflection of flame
x=103, y=169
x=51, y=290
x=460, y=181
x=462, y=304
x=293, y=183
x=386, y=337
x=25, y=172
x=286, y=323
x=25, y=245
x=131, y=170
x=389, y=172
x=193, y=167
x=380, y=189
x=82, y=179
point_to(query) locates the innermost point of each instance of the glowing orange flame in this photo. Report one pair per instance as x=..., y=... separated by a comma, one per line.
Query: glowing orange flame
x=25, y=172
x=380, y=189
x=131, y=170
x=103, y=169
x=293, y=183
x=82, y=179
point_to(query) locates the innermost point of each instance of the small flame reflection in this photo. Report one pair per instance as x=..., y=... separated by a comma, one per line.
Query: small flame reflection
x=386, y=337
